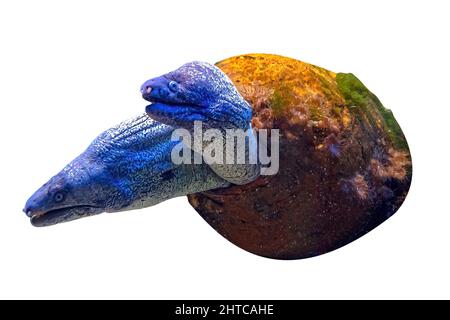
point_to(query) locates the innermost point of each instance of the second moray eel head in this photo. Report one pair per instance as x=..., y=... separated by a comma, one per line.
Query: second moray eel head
x=197, y=91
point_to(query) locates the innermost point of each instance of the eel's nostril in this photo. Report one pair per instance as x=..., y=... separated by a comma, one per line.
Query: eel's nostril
x=146, y=89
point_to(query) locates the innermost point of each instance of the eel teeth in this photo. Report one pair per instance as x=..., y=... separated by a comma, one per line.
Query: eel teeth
x=34, y=215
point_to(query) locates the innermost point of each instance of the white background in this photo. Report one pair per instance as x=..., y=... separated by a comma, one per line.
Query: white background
x=69, y=71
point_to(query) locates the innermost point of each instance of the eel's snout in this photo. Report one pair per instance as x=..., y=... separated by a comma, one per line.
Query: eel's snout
x=158, y=90
x=146, y=90
x=27, y=212
x=31, y=209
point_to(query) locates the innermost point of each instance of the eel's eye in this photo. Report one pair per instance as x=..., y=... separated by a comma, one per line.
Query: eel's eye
x=173, y=86
x=59, y=196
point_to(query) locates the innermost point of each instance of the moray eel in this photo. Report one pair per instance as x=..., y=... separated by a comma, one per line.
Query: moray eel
x=130, y=166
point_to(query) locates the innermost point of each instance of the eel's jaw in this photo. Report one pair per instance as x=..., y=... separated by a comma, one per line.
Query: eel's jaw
x=43, y=219
x=175, y=115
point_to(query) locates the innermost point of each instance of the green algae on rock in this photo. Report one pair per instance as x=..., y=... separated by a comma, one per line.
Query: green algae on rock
x=357, y=95
x=345, y=165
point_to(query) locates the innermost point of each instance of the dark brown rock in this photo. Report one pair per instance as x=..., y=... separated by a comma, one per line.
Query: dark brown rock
x=345, y=166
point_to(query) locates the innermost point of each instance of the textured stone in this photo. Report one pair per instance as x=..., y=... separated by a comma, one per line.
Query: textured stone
x=345, y=165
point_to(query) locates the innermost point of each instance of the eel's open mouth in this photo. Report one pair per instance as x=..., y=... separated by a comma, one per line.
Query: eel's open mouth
x=42, y=219
x=161, y=109
x=167, y=102
x=172, y=105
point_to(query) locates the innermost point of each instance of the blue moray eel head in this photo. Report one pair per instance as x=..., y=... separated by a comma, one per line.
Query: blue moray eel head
x=197, y=91
x=78, y=190
x=123, y=167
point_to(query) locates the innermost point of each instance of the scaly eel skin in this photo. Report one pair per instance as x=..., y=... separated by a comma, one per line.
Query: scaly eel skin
x=126, y=167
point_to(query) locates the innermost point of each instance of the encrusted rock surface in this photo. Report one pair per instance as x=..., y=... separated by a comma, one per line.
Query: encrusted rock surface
x=345, y=165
